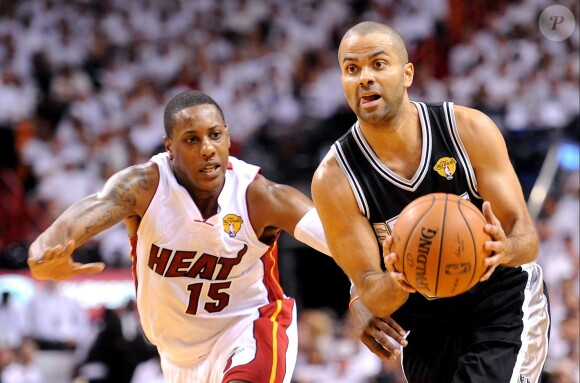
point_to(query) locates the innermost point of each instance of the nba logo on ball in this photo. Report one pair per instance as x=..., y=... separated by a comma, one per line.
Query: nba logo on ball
x=439, y=240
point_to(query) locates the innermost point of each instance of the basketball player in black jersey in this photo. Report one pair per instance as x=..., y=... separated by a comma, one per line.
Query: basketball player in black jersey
x=397, y=151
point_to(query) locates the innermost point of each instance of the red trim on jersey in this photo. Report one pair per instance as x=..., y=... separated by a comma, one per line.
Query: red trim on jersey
x=271, y=273
x=270, y=332
x=133, y=241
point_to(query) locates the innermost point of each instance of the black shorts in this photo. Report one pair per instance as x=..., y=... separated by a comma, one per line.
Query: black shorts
x=497, y=332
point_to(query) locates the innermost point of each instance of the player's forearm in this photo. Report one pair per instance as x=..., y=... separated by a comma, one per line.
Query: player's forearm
x=522, y=245
x=381, y=294
x=79, y=222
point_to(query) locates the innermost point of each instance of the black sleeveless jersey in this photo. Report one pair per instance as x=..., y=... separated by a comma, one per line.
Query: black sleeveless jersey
x=381, y=194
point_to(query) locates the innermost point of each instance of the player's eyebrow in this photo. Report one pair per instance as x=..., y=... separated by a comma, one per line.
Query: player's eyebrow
x=370, y=56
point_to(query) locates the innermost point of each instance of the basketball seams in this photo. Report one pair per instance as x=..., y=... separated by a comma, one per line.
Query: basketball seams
x=441, y=274
x=412, y=231
x=460, y=205
x=442, y=238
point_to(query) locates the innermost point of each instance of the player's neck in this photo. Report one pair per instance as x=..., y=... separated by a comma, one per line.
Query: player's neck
x=208, y=205
x=400, y=132
x=398, y=145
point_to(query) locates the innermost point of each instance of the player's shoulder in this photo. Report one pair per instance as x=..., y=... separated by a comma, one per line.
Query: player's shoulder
x=328, y=168
x=135, y=185
x=139, y=178
x=146, y=170
x=478, y=132
x=470, y=116
x=330, y=178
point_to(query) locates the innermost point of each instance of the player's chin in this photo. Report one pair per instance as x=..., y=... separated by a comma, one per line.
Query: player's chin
x=209, y=182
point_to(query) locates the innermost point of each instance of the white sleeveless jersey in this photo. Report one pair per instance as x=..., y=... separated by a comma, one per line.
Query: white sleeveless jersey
x=197, y=277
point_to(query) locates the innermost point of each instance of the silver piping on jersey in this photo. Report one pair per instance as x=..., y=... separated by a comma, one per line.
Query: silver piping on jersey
x=460, y=148
x=352, y=180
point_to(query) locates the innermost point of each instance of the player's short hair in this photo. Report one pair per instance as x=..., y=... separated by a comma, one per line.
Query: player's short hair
x=184, y=100
x=369, y=27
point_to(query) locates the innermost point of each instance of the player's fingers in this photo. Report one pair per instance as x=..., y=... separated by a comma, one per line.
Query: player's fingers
x=488, y=273
x=391, y=328
x=495, y=232
x=381, y=338
x=69, y=248
x=405, y=286
x=494, y=260
x=388, y=244
x=402, y=281
x=89, y=268
x=496, y=247
x=390, y=260
x=51, y=252
x=32, y=262
x=377, y=349
x=488, y=213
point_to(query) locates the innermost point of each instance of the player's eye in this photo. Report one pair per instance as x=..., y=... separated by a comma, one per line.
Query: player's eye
x=380, y=64
x=351, y=68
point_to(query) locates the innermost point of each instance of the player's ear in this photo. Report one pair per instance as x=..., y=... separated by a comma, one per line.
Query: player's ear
x=167, y=144
x=408, y=73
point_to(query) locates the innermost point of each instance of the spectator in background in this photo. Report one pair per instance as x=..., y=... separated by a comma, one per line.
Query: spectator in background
x=108, y=356
x=23, y=368
x=55, y=321
x=10, y=322
x=316, y=329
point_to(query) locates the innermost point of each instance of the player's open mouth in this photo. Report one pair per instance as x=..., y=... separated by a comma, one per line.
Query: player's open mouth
x=370, y=98
x=210, y=169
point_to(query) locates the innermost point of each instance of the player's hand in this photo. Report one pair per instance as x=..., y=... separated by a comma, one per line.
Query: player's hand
x=375, y=332
x=498, y=244
x=390, y=257
x=56, y=263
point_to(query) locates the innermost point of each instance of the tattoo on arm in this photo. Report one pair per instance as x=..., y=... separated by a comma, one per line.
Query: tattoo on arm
x=118, y=199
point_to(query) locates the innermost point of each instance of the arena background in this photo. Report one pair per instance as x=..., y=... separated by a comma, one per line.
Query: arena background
x=82, y=89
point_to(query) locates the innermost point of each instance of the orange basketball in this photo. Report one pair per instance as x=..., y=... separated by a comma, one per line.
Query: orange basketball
x=439, y=241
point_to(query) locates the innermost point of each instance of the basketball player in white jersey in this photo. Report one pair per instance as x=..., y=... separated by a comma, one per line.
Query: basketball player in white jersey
x=203, y=227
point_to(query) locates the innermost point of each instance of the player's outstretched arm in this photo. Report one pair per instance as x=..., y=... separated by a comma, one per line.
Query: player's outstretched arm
x=125, y=193
x=351, y=240
x=284, y=207
x=274, y=207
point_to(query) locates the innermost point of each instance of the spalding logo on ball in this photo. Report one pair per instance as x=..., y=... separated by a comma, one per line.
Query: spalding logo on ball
x=439, y=241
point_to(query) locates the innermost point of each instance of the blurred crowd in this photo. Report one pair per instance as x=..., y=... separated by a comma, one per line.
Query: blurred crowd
x=83, y=84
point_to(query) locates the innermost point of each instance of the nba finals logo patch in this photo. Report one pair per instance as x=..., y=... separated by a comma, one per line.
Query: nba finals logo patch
x=232, y=224
x=445, y=166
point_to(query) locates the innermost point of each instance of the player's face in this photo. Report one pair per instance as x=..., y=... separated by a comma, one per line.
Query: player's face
x=199, y=147
x=374, y=78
